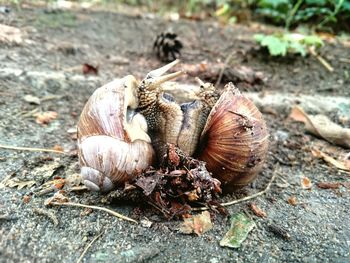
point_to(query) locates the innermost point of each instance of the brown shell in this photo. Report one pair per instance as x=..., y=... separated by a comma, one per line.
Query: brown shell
x=112, y=149
x=234, y=141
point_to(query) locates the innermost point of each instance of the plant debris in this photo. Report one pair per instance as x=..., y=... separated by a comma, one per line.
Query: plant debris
x=10, y=35
x=32, y=99
x=198, y=224
x=167, y=47
x=328, y=185
x=342, y=165
x=179, y=182
x=226, y=73
x=89, y=69
x=241, y=225
x=322, y=127
x=292, y=200
x=45, y=118
x=16, y=183
x=305, y=183
x=257, y=211
x=279, y=231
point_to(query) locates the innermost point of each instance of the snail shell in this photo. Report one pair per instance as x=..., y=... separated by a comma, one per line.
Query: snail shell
x=113, y=142
x=226, y=131
x=234, y=141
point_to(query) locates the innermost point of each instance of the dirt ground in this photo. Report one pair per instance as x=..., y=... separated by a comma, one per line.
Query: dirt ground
x=48, y=65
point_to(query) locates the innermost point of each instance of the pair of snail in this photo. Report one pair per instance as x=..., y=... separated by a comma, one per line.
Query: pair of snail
x=125, y=124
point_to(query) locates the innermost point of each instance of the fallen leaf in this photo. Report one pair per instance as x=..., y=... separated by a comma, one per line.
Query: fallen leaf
x=58, y=197
x=32, y=99
x=339, y=164
x=10, y=35
x=328, y=185
x=198, y=224
x=47, y=170
x=292, y=200
x=15, y=182
x=306, y=183
x=241, y=225
x=89, y=69
x=146, y=223
x=322, y=127
x=257, y=211
x=26, y=199
x=45, y=117
x=58, y=148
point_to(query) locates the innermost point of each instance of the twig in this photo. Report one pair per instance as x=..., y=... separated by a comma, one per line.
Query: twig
x=97, y=208
x=49, y=214
x=88, y=246
x=345, y=60
x=224, y=67
x=321, y=60
x=244, y=198
x=9, y=147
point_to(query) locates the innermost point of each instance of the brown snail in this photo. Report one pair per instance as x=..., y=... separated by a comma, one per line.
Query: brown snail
x=226, y=131
x=124, y=121
x=113, y=144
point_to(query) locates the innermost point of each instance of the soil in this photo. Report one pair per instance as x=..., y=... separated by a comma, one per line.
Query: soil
x=48, y=65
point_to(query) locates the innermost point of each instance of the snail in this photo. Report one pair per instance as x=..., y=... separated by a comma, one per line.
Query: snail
x=113, y=144
x=125, y=124
x=226, y=130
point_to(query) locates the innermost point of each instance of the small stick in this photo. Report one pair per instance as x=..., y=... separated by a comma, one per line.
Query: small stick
x=97, y=208
x=244, y=198
x=88, y=246
x=9, y=147
x=321, y=60
x=345, y=60
x=49, y=214
x=223, y=68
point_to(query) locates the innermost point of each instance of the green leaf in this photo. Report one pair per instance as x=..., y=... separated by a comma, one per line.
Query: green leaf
x=313, y=41
x=275, y=45
x=273, y=3
x=259, y=37
x=241, y=225
x=316, y=2
x=298, y=48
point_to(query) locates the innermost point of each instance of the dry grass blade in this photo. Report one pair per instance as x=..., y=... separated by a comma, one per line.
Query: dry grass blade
x=88, y=246
x=96, y=208
x=9, y=147
x=244, y=198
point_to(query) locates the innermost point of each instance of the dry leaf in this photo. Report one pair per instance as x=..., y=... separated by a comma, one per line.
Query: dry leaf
x=47, y=170
x=58, y=148
x=58, y=197
x=322, y=127
x=10, y=35
x=339, y=164
x=15, y=182
x=26, y=199
x=292, y=200
x=89, y=69
x=198, y=224
x=306, y=183
x=257, y=211
x=45, y=117
x=328, y=185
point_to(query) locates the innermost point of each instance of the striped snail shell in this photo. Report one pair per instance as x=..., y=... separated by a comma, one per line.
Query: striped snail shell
x=113, y=144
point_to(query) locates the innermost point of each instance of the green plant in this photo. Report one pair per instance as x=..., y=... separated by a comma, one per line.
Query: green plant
x=291, y=12
x=281, y=44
